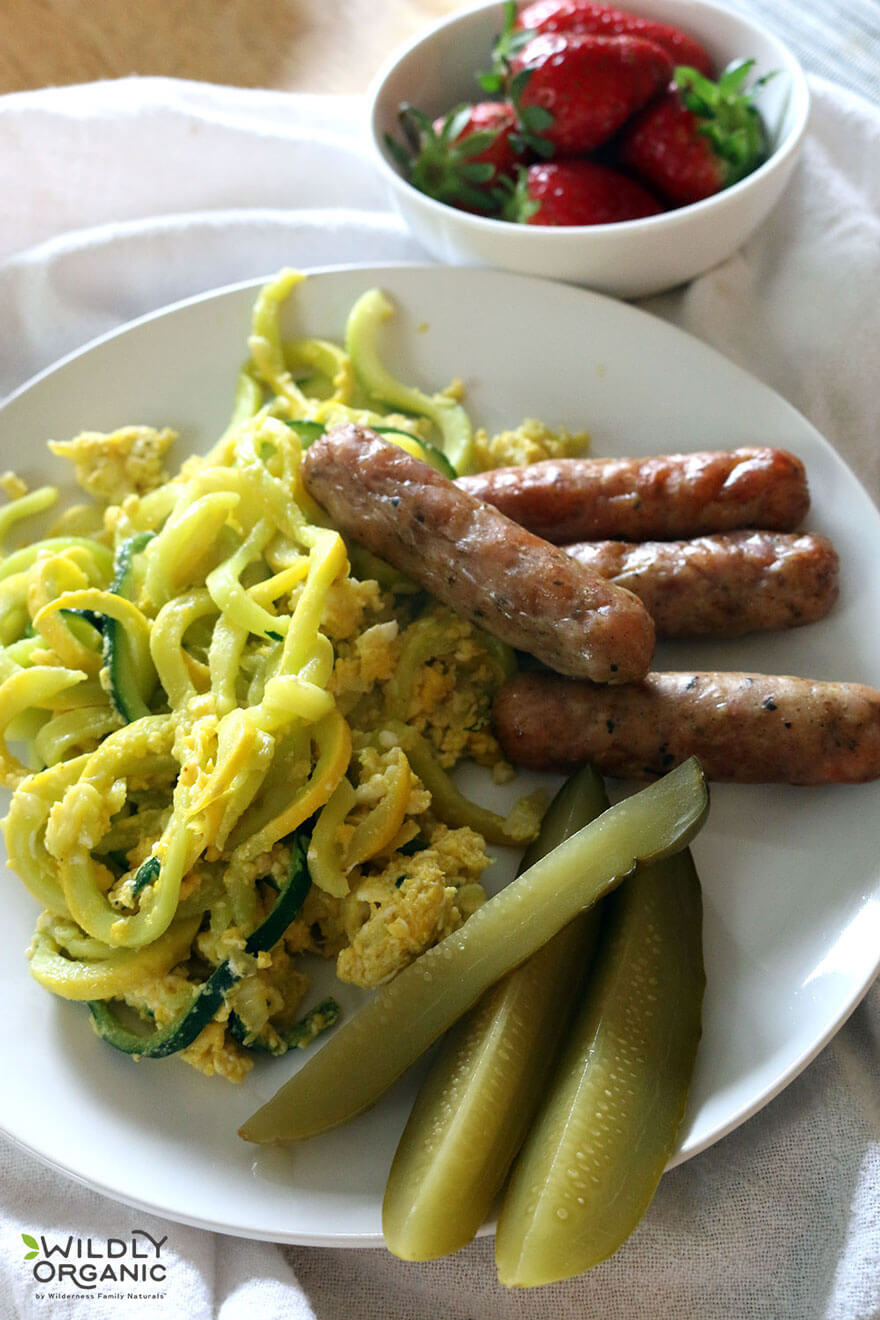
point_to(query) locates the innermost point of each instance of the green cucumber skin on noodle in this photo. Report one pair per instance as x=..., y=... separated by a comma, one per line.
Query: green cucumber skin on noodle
x=182, y=1031
x=599, y=1144
x=297, y=1037
x=147, y=874
x=309, y=432
x=177, y=1035
x=365, y=1056
x=433, y=456
x=127, y=701
x=474, y=1107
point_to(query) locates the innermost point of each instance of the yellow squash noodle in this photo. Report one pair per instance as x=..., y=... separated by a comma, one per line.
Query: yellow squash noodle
x=113, y=975
x=169, y=706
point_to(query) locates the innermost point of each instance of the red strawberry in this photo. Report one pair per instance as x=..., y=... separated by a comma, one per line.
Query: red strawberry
x=577, y=192
x=605, y=21
x=584, y=87
x=461, y=156
x=697, y=138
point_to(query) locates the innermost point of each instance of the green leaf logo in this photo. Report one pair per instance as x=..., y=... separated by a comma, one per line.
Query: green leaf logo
x=33, y=1244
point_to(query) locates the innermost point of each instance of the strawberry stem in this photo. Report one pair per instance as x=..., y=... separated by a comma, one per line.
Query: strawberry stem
x=728, y=118
x=516, y=203
x=441, y=165
x=531, y=120
x=506, y=45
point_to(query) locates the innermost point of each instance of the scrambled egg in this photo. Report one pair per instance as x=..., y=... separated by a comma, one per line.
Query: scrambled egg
x=451, y=697
x=124, y=462
x=394, y=914
x=12, y=485
x=427, y=880
x=420, y=886
x=530, y=442
x=395, y=655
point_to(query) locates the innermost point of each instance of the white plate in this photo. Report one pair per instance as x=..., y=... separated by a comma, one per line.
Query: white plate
x=792, y=894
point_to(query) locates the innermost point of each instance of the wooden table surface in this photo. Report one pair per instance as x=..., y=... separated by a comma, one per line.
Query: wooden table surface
x=291, y=45
x=328, y=45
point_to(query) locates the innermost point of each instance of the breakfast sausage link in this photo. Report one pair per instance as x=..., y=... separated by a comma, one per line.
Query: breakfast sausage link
x=640, y=499
x=528, y=593
x=723, y=585
x=745, y=728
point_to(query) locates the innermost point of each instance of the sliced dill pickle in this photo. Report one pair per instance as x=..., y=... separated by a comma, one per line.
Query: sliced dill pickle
x=476, y=1103
x=592, y=1160
x=370, y=1051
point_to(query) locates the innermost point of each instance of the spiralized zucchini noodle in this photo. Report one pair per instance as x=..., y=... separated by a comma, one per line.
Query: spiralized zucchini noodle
x=228, y=733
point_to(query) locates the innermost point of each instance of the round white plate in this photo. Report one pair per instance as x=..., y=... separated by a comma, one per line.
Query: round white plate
x=791, y=876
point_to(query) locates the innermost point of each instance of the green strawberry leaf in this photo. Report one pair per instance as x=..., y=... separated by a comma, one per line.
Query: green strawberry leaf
x=442, y=164
x=516, y=205
x=399, y=154
x=454, y=123
x=727, y=118
x=491, y=82
x=525, y=142
x=476, y=142
x=535, y=118
x=507, y=44
x=733, y=79
x=519, y=40
x=477, y=171
x=413, y=124
x=518, y=84
x=532, y=120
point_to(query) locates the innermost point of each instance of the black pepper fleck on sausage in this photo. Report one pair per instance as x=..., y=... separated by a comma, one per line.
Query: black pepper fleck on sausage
x=722, y=585
x=745, y=728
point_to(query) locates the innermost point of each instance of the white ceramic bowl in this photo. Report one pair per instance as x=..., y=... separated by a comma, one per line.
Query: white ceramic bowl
x=631, y=259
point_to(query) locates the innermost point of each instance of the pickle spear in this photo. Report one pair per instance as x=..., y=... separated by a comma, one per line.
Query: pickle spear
x=476, y=1103
x=600, y=1142
x=371, y=1050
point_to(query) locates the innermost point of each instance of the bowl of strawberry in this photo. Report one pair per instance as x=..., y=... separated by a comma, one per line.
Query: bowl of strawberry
x=628, y=150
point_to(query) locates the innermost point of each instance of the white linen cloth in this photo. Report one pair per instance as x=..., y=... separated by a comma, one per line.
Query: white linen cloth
x=117, y=198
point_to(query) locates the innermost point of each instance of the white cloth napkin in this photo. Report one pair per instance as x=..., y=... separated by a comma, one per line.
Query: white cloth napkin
x=117, y=198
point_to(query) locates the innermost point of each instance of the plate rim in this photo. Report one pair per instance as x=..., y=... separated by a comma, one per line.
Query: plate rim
x=375, y=270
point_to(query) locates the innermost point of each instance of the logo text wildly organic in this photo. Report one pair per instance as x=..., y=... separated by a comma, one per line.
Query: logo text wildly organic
x=85, y=1263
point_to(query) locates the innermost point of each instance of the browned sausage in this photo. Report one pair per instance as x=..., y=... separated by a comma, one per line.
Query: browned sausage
x=528, y=593
x=723, y=585
x=640, y=499
x=748, y=728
